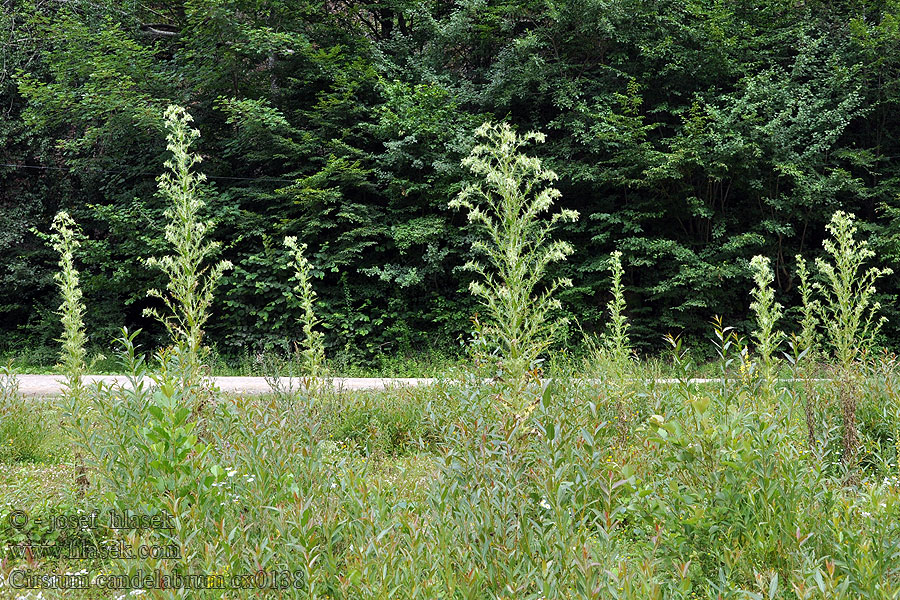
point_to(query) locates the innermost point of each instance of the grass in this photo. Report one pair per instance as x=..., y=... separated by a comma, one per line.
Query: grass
x=619, y=490
x=425, y=364
x=428, y=364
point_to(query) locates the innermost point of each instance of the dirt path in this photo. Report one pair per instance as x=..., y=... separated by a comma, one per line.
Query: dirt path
x=52, y=385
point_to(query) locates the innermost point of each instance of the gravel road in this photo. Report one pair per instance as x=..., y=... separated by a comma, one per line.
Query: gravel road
x=52, y=385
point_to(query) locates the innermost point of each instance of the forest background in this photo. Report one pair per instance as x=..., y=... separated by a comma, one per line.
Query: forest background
x=689, y=135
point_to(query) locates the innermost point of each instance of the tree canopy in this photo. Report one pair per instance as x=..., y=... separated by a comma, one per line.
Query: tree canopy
x=689, y=135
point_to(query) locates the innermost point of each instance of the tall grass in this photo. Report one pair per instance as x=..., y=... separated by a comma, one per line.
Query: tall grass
x=703, y=500
x=24, y=434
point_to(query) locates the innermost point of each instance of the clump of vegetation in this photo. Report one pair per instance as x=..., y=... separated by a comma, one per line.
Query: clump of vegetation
x=142, y=444
x=24, y=434
x=630, y=487
x=506, y=203
x=848, y=312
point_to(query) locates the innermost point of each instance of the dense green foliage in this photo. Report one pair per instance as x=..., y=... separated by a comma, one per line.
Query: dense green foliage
x=621, y=485
x=690, y=136
x=617, y=489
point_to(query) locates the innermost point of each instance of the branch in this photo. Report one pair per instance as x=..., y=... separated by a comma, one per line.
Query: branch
x=160, y=29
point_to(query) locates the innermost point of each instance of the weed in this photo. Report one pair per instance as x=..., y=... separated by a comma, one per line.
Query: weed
x=848, y=312
x=848, y=309
x=613, y=349
x=313, y=353
x=810, y=308
x=23, y=432
x=507, y=203
x=768, y=312
x=190, y=285
x=72, y=310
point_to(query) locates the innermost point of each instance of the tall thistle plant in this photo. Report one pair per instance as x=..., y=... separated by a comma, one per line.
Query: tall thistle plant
x=612, y=348
x=809, y=309
x=768, y=312
x=617, y=348
x=849, y=311
x=617, y=340
x=805, y=348
x=190, y=287
x=313, y=341
x=64, y=239
x=507, y=204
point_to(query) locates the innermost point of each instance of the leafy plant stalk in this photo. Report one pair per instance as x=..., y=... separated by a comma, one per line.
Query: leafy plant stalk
x=809, y=307
x=768, y=312
x=313, y=341
x=848, y=310
x=64, y=240
x=617, y=340
x=506, y=204
x=190, y=286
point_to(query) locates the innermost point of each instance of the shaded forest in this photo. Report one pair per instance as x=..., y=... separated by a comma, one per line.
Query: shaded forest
x=690, y=136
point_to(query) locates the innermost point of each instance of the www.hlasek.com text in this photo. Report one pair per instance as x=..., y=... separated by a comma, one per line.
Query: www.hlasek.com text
x=79, y=549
